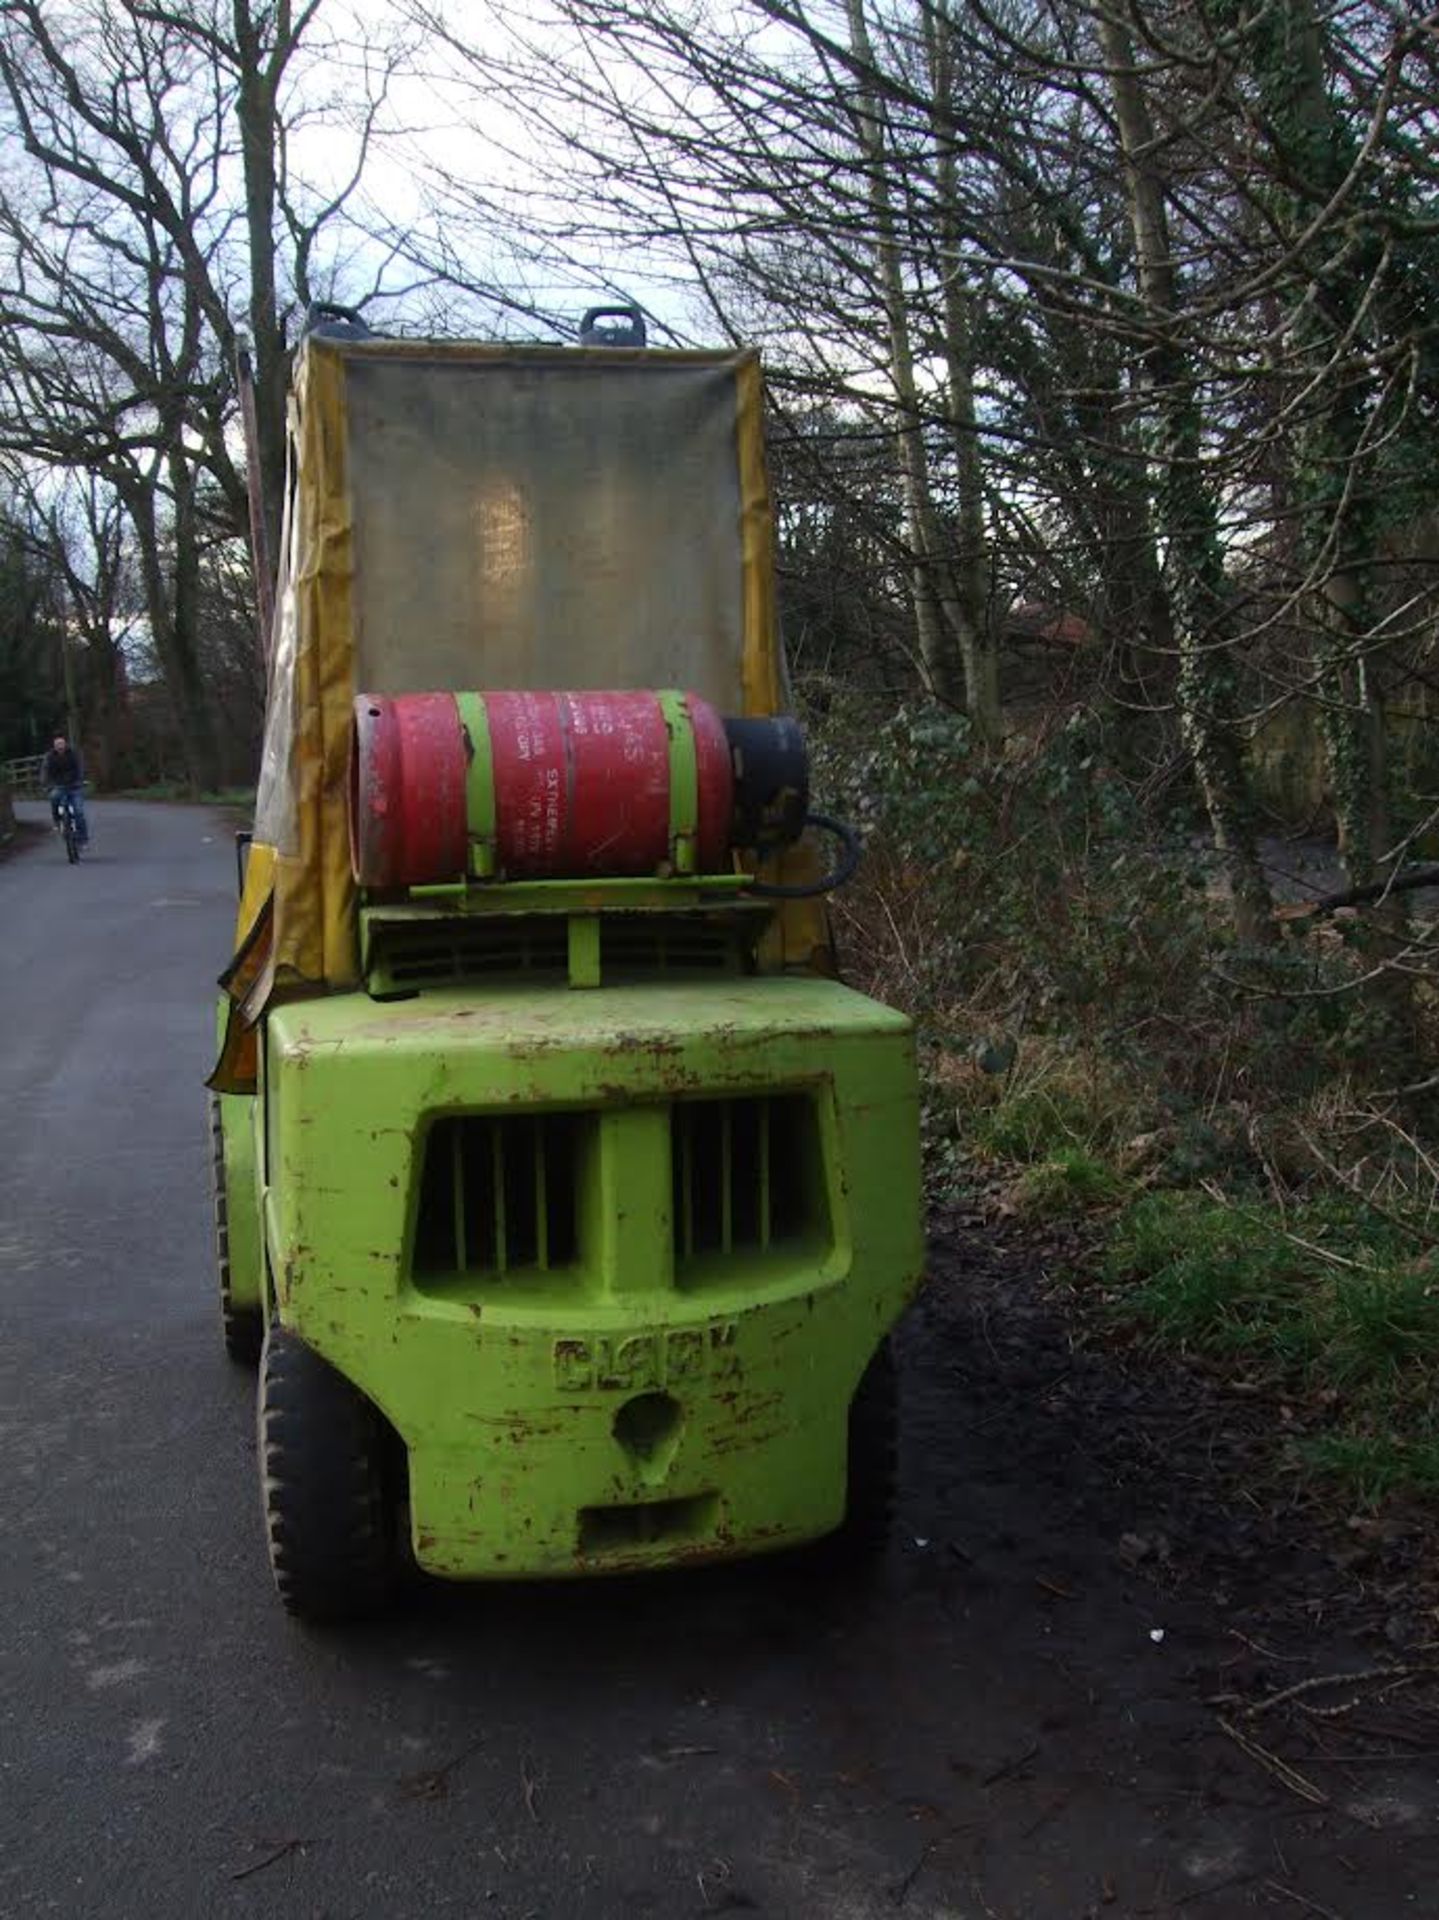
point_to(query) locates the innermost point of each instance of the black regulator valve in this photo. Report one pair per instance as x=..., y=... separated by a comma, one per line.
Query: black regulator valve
x=771, y=781
x=771, y=801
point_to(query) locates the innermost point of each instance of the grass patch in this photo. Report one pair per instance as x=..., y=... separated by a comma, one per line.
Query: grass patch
x=1047, y=1100
x=1070, y=1182
x=1027, y=1122
x=1328, y=1300
x=1377, y=1466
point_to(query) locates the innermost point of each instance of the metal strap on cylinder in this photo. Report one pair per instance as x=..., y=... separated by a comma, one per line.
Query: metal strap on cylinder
x=684, y=781
x=479, y=785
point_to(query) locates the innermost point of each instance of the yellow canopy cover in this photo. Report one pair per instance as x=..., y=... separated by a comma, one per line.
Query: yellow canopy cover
x=470, y=516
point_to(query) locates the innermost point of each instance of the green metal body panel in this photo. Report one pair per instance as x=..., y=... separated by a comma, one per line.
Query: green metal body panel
x=610, y=1261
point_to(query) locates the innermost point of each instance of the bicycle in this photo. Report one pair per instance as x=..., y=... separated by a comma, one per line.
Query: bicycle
x=69, y=827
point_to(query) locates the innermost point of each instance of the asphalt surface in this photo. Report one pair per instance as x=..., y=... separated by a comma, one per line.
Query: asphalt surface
x=1006, y=1725
x=172, y=1744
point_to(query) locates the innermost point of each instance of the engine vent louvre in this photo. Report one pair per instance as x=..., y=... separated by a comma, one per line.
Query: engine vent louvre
x=747, y=1175
x=498, y=1194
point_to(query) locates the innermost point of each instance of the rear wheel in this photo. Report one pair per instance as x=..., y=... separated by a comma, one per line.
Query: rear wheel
x=330, y=1470
x=243, y=1328
x=863, y=1535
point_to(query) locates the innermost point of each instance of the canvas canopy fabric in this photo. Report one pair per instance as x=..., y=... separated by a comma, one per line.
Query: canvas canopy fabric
x=464, y=516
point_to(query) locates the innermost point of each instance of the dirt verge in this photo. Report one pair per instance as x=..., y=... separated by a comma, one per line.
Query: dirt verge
x=1218, y=1695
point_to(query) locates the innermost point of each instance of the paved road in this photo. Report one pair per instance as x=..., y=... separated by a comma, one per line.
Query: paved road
x=166, y=1731
x=991, y=1732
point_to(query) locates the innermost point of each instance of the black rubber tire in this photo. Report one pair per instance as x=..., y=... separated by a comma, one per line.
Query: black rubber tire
x=243, y=1328
x=329, y=1474
x=862, y=1537
x=72, y=845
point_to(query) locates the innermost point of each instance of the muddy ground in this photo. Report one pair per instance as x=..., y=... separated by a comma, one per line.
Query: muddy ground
x=1105, y=1576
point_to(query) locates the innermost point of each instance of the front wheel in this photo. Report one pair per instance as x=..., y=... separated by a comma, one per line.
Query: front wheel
x=329, y=1474
x=242, y=1328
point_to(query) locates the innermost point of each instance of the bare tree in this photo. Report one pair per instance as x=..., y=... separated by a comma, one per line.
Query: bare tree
x=159, y=213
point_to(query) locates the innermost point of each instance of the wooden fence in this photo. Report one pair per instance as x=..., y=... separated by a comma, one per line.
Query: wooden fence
x=22, y=776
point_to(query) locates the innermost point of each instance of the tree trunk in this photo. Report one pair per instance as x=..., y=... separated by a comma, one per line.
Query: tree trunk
x=170, y=606
x=1185, y=514
x=255, y=111
x=1333, y=483
x=972, y=573
x=939, y=657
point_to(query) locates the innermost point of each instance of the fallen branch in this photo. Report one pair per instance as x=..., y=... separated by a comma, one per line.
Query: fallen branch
x=1351, y=1185
x=1374, y=890
x=899, y=1892
x=1301, y=1900
x=276, y=1853
x=529, y=1785
x=1010, y=1767
x=1318, y=1681
x=1218, y=1195
x=1286, y=1775
x=434, y=1782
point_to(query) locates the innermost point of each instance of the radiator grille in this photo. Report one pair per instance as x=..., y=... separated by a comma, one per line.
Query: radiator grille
x=664, y=943
x=408, y=958
x=747, y=1176
x=498, y=1194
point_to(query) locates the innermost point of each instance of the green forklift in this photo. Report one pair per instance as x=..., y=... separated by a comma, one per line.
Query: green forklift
x=565, y=1198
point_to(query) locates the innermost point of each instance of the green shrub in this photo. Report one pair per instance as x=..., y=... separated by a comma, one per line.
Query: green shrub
x=1030, y=881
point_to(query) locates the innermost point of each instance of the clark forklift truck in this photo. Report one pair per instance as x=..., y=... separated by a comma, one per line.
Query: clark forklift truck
x=565, y=1198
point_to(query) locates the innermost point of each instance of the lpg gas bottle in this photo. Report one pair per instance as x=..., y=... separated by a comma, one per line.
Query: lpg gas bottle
x=539, y=786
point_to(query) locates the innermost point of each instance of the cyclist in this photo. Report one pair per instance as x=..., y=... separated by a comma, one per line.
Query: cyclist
x=63, y=775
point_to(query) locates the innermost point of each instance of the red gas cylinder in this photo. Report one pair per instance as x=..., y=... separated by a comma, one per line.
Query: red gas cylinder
x=541, y=786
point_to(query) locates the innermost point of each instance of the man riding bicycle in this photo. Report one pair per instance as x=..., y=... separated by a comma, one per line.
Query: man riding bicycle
x=63, y=775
